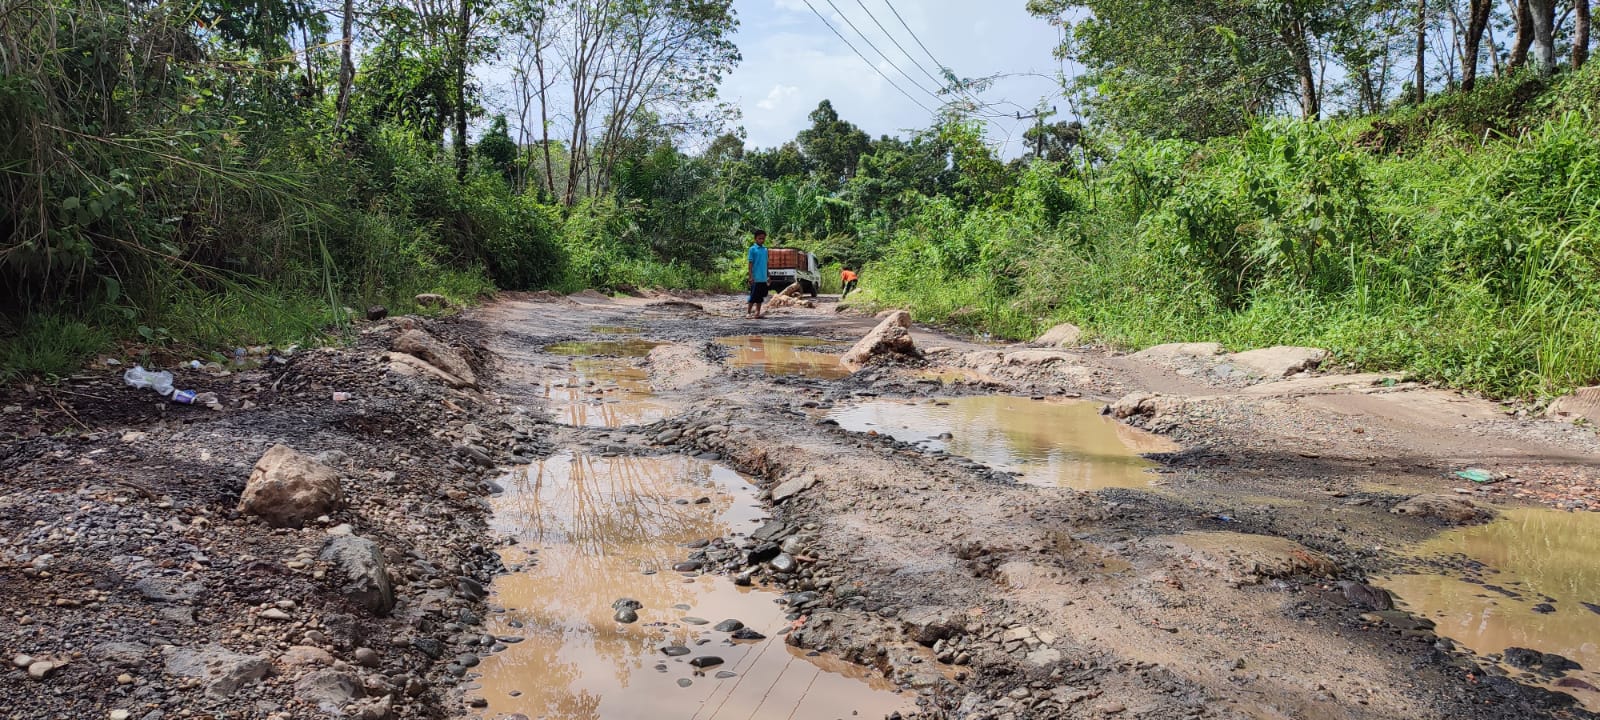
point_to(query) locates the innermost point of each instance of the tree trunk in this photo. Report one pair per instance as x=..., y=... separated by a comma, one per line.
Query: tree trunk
x=1519, y=52
x=463, y=30
x=1544, y=41
x=1367, y=89
x=1299, y=49
x=1580, y=33
x=1422, y=51
x=1477, y=22
x=347, y=68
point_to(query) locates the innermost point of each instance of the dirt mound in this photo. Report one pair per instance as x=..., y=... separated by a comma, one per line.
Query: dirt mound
x=1250, y=559
x=1452, y=509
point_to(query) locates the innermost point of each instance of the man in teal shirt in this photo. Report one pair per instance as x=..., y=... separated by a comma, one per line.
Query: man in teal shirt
x=756, y=274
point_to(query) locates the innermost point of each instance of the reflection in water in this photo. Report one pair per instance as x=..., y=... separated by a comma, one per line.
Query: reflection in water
x=604, y=393
x=615, y=348
x=784, y=355
x=1064, y=444
x=590, y=529
x=1538, y=556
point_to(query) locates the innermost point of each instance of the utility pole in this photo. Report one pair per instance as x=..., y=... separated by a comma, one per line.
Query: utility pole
x=1039, y=116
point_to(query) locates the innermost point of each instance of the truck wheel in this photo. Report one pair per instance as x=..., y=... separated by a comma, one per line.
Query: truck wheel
x=808, y=287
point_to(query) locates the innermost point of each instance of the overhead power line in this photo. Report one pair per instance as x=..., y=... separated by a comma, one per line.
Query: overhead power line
x=881, y=53
x=864, y=59
x=913, y=33
x=955, y=87
x=938, y=82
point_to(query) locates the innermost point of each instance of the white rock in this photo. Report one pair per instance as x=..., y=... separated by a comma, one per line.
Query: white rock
x=288, y=488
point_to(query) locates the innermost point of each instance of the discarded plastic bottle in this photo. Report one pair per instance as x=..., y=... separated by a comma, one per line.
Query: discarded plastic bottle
x=139, y=378
x=183, y=397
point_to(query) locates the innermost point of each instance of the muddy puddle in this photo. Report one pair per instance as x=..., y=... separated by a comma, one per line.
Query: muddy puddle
x=602, y=392
x=783, y=355
x=604, y=348
x=1051, y=443
x=1530, y=581
x=591, y=531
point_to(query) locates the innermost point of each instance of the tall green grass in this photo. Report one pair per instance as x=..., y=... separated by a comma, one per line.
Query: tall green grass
x=1465, y=258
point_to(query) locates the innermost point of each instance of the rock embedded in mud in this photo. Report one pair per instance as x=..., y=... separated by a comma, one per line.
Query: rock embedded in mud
x=361, y=573
x=675, y=650
x=377, y=312
x=329, y=690
x=1280, y=361
x=288, y=488
x=747, y=634
x=890, y=337
x=928, y=624
x=1152, y=405
x=1063, y=335
x=423, y=346
x=1366, y=596
x=1447, y=508
x=223, y=671
x=706, y=661
x=783, y=563
x=728, y=626
x=626, y=616
x=793, y=486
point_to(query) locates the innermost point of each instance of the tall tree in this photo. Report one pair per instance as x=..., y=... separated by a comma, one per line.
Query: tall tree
x=1478, y=12
x=832, y=146
x=1523, y=12
x=1543, y=18
x=625, y=58
x=347, y=67
x=1580, y=33
x=1422, y=51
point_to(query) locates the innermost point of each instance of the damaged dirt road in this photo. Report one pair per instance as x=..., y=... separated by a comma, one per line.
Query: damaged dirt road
x=595, y=507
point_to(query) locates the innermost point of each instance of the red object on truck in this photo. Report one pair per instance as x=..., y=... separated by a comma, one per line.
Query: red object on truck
x=784, y=259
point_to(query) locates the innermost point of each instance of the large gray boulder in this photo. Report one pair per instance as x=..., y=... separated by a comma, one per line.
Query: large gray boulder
x=287, y=488
x=221, y=670
x=437, y=354
x=890, y=337
x=361, y=572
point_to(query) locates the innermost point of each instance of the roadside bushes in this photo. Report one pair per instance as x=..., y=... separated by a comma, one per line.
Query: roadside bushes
x=1469, y=262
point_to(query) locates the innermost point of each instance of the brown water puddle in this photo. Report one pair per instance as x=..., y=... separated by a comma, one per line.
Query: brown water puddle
x=592, y=530
x=604, y=393
x=611, y=348
x=1053, y=444
x=1538, y=555
x=784, y=355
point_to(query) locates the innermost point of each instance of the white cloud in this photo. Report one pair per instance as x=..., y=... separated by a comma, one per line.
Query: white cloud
x=777, y=97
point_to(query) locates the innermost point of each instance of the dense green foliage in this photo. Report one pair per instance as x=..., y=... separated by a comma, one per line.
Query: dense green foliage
x=1405, y=242
x=179, y=178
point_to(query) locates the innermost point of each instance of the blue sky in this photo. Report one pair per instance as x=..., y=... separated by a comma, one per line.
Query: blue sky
x=792, y=61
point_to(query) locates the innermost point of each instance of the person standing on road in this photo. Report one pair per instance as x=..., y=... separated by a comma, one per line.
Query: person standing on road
x=756, y=274
x=848, y=279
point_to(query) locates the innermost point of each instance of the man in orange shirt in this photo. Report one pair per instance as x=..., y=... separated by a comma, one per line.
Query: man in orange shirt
x=848, y=278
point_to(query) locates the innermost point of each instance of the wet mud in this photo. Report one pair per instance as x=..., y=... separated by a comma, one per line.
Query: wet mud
x=591, y=532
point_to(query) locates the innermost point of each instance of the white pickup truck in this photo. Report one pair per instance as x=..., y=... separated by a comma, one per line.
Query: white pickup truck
x=786, y=266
